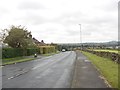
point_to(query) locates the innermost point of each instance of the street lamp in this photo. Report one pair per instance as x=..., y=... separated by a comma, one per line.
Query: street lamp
x=80, y=36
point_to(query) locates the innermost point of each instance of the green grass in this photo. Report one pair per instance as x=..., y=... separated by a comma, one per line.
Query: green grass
x=9, y=59
x=107, y=67
x=105, y=50
x=15, y=60
x=21, y=59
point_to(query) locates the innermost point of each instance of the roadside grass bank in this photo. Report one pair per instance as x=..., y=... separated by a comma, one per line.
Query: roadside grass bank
x=22, y=59
x=15, y=60
x=107, y=68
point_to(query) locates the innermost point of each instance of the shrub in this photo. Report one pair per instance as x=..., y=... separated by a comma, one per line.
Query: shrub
x=12, y=52
x=46, y=49
x=17, y=52
x=31, y=51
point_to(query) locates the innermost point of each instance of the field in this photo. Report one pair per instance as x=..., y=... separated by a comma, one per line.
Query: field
x=107, y=67
x=105, y=50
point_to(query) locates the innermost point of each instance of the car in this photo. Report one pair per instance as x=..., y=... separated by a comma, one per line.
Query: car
x=63, y=50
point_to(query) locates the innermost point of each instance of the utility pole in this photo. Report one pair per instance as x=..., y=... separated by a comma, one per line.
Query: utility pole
x=80, y=36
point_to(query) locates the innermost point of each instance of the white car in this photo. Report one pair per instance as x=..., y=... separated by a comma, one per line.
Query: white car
x=63, y=50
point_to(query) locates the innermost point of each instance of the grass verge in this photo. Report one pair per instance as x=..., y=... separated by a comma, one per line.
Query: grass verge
x=15, y=60
x=21, y=59
x=107, y=67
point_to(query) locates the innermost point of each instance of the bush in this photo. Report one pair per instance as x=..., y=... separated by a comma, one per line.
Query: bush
x=17, y=52
x=31, y=51
x=47, y=49
x=12, y=52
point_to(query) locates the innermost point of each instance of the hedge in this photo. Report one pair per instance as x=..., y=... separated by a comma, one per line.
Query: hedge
x=17, y=52
x=47, y=49
x=32, y=51
x=10, y=52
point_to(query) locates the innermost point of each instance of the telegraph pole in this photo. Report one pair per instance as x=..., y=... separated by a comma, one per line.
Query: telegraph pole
x=80, y=36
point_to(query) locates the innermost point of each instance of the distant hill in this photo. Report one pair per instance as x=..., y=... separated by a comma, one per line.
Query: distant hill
x=108, y=44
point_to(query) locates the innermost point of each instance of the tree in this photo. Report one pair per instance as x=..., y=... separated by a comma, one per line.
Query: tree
x=18, y=37
x=42, y=41
x=3, y=34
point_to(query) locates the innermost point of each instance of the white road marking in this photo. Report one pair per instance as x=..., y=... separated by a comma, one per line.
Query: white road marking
x=84, y=67
x=18, y=74
x=11, y=78
x=1, y=66
x=86, y=60
x=35, y=67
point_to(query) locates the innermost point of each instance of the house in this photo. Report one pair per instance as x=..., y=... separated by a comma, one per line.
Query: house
x=38, y=43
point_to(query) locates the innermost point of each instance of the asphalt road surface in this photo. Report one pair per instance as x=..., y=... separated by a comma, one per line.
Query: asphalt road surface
x=86, y=75
x=48, y=72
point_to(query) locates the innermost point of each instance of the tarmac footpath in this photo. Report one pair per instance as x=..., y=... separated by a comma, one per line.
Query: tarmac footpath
x=86, y=75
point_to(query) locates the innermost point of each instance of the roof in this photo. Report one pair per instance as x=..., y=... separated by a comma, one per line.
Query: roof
x=38, y=42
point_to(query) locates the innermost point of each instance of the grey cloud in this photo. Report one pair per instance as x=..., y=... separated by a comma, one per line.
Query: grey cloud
x=33, y=19
x=71, y=32
x=111, y=6
x=76, y=32
x=99, y=20
x=30, y=5
x=70, y=18
x=3, y=11
x=98, y=24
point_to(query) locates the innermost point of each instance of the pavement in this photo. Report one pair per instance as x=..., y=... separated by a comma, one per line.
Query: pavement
x=86, y=75
x=54, y=71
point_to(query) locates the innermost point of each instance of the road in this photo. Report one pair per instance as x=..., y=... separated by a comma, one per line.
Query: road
x=48, y=72
x=63, y=70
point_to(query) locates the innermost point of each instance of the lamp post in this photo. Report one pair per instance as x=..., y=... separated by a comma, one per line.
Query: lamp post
x=80, y=36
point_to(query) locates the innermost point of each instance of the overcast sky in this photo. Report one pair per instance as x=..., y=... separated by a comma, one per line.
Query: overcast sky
x=57, y=20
